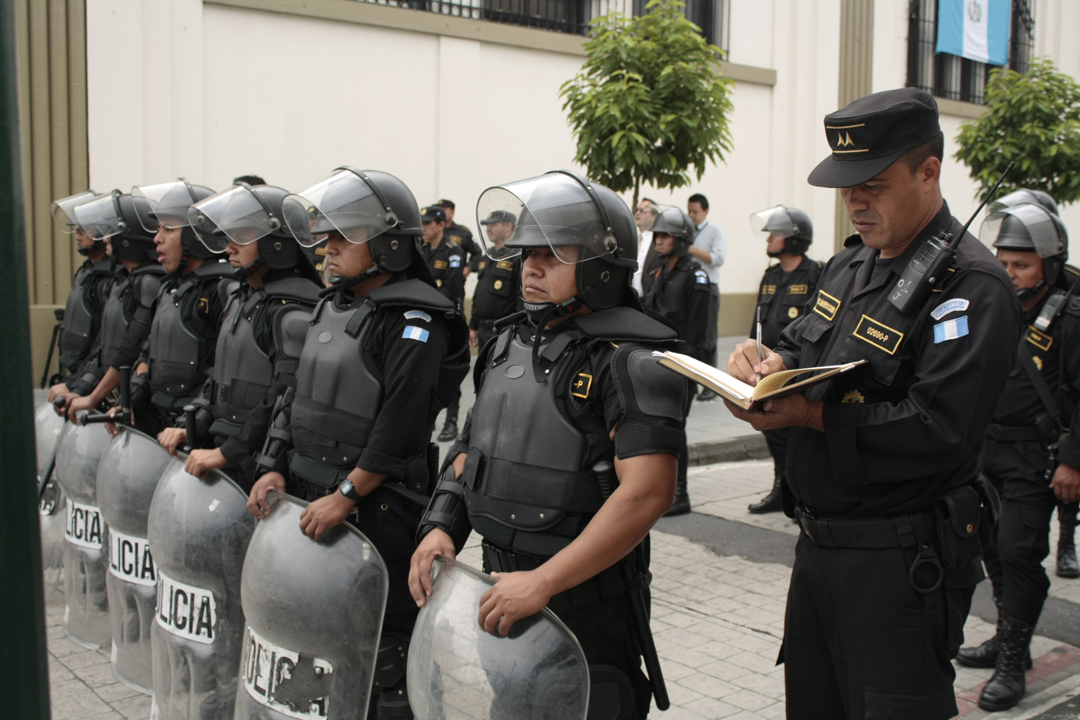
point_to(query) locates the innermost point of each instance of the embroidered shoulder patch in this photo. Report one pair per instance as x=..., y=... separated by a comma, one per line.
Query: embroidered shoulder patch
x=1039, y=339
x=827, y=306
x=878, y=334
x=954, y=305
x=413, y=332
x=702, y=277
x=417, y=315
x=951, y=329
x=581, y=386
x=455, y=261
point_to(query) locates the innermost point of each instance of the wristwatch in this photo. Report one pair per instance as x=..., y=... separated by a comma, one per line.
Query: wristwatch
x=347, y=490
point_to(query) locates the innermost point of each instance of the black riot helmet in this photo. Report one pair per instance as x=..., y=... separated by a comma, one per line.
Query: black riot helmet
x=1029, y=228
x=790, y=223
x=364, y=206
x=167, y=205
x=244, y=214
x=114, y=217
x=63, y=212
x=675, y=222
x=582, y=222
x=1023, y=196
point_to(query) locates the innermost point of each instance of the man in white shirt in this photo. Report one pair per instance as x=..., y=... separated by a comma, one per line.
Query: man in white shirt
x=709, y=249
x=644, y=217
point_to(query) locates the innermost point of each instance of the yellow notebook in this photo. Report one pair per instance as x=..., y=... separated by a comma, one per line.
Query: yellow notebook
x=738, y=392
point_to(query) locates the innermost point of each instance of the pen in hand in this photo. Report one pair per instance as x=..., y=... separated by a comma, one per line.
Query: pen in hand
x=758, y=344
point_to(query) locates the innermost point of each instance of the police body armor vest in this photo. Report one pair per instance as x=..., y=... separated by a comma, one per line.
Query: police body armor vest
x=124, y=298
x=81, y=324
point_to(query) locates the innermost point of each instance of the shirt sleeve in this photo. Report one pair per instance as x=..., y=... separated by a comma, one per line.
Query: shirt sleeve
x=1069, y=453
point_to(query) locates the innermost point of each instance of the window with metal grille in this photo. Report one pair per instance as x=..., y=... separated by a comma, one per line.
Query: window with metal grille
x=957, y=78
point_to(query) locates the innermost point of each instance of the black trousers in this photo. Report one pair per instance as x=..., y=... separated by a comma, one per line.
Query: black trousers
x=860, y=642
x=712, y=330
x=1014, y=563
x=777, y=442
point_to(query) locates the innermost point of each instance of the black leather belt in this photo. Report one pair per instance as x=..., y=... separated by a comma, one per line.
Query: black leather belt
x=1004, y=433
x=865, y=534
x=607, y=584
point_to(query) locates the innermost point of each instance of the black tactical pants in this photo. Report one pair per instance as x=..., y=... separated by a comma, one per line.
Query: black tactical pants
x=860, y=642
x=712, y=329
x=1014, y=564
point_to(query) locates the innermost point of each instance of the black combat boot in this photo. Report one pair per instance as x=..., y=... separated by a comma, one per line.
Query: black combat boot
x=681, y=504
x=773, y=502
x=449, y=430
x=986, y=655
x=1067, y=566
x=1008, y=683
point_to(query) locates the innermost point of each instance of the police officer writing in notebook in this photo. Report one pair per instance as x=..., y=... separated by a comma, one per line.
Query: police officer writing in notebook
x=883, y=460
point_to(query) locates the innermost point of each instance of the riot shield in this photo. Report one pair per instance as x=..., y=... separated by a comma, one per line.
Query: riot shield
x=199, y=533
x=52, y=509
x=86, y=558
x=47, y=427
x=314, y=614
x=459, y=672
x=127, y=476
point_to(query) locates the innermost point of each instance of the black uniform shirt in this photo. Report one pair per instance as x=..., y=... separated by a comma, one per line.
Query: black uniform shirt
x=446, y=262
x=681, y=296
x=782, y=297
x=498, y=289
x=908, y=425
x=463, y=237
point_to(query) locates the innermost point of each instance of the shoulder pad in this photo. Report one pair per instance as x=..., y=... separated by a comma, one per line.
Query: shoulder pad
x=102, y=267
x=225, y=288
x=412, y=292
x=623, y=323
x=149, y=287
x=292, y=329
x=644, y=383
x=293, y=288
x=149, y=268
x=212, y=271
x=855, y=239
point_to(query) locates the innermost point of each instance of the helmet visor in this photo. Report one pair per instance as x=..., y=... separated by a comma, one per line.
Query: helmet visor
x=63, y=210
x=101, y=217
x=165, y=204
x=774, y=221
x=551, y=211
x=342, y=203
x=233, y=215
x=1044, y=237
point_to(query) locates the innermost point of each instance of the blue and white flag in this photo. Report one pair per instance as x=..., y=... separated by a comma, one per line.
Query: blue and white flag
x=974, y=29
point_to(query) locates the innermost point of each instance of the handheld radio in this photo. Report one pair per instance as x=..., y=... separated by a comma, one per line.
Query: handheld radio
x=932, y=259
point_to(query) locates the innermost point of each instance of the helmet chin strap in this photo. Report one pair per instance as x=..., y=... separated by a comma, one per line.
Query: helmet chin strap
x=242, y=274
x=344, y=283
x=1026, y=293
x=547, y=312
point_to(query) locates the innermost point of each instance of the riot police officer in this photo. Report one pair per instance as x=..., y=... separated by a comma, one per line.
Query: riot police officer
x=565, y=390
x=785, y=290
x=498, y=281
x=446, y=262
x=125, y=322
x=460, y=235
x=81, y=320
x=1023, y=456
x=273, y=279
x=882, y=461
x=378, y=359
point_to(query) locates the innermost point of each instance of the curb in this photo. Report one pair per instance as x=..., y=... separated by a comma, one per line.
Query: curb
x=736, y=449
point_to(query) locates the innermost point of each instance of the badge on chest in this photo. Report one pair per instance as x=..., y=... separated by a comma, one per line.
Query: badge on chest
x=878, y=334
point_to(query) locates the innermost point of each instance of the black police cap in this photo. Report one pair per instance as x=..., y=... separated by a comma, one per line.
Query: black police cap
x=433, y=213
x=872, y=133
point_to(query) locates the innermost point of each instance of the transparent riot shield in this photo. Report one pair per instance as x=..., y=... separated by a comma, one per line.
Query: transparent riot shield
x=86, y=557
x=127, y=476
x=457, y=671
x=314, y=615
x=52, y=510
x=199, y=533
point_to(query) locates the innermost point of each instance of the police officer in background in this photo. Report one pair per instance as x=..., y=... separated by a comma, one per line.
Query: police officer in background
x=125, y=322
x=273, y=279
x=570, y=453
x=785, y=290
x=446, y=263
x=81, y=319
x=883, y=460
x=377, y=361
x=460, y=235
x=498, y=281
x=1023, y=457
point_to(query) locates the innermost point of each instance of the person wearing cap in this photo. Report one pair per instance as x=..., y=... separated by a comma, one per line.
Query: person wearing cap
x=446, y=262
x=80, y=321
x=1029, y=456
x=783, y=295
x=498, y=280
x=569, y=455
x=883, y=460
x=461, y=236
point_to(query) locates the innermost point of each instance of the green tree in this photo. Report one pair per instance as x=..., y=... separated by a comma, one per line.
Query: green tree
x=649, y=101
x=1034, y=120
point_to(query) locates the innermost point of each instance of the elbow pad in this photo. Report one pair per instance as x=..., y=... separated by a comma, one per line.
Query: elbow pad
x=446, y=511
x=277, y=437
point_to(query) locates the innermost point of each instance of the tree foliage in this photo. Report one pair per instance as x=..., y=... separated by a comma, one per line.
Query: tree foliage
x=649, y=101
x=1034, y=120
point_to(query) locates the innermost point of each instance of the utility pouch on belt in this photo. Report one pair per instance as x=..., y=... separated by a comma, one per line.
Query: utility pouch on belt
x=960, y=520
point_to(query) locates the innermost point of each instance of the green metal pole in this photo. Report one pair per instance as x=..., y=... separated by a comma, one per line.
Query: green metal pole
x=24, y=672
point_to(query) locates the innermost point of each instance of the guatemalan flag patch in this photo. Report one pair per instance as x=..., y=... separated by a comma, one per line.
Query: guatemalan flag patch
x=418, y=333
x=951, y=329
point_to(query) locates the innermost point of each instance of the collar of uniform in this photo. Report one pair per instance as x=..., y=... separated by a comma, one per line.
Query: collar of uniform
x=940, y=222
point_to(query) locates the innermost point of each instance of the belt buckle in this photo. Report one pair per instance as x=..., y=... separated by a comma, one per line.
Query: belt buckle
x=804, y=517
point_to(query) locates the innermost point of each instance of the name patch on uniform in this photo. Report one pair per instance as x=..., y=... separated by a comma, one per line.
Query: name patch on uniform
x=440, y=264
x=505, y=265
x=798, y=289
x=581, y=386
x=878, y=334
x=1039, y=339
x=415, y=333
x=954, y=305
x=702, y=278
x=320, y=251
x=827, y=306
x=768, y=289
x=455, y=261
x=951, y=329
x=417, y=315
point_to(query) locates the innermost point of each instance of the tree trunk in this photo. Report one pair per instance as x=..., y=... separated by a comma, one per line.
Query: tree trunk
x=637, y=192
